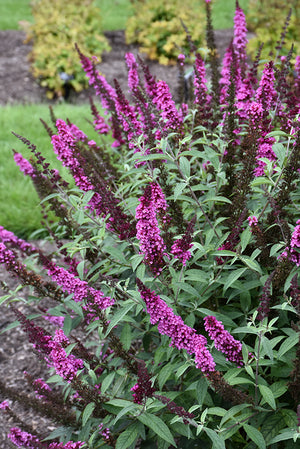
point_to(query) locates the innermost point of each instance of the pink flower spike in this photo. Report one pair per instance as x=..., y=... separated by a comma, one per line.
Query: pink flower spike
x=223, y=340
x=24, y=165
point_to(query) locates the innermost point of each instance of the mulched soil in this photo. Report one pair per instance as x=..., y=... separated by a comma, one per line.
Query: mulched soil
x=18, y=86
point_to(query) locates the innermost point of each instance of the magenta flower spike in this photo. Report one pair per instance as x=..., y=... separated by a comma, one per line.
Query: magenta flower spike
x=223, y=340
x=240, y=40
x=152, y=204
x=9, y=238
x=81, y=291
x=182, y=336
x=23, y=439
x=24, y=165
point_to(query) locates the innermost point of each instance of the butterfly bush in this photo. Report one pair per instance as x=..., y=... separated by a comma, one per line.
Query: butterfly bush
x=167, y=313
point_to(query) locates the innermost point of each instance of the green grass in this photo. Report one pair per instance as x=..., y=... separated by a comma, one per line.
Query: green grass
x=19, y=210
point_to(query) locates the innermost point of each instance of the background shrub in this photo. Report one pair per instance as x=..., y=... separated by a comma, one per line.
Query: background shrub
x=157, y=27
x=267, y=18
x=57, y=26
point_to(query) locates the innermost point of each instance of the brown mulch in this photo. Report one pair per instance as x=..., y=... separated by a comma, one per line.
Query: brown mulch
x=18, y=86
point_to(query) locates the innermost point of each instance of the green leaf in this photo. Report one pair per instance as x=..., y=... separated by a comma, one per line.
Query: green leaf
x=252, y=264
x=126, y=336
x=286, y=435
x=267, y=395
x=255, y=436
x=217, y=199
x=245, y=238
x=107, y=381
x=80, y=269
x=136, y=260
x=217, y=440
x=158, y=426
x=185, y=166
x=164, y=374
x=181, y=370
x=127, y=437
x=232, y=412
x=117, y=317
x=288, y=343
x=178, y=190
x=87, y=412
x=272, y=426
x=233, y=277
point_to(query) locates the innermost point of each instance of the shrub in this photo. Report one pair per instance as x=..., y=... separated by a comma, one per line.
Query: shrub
x=267, y=19
x=180, y=265
x=157, y=27
x=57, y=26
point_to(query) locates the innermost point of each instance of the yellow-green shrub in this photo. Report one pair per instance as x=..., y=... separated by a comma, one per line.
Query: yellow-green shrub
x=57, y=27
x=157, y=27
x=267, y=18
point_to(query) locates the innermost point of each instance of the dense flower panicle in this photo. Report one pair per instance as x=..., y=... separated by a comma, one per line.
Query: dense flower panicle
x=23, y=439
x=103, y=200
x=24, y=165
x=80, y=289
x=102, y=88
x=166, y=105
x=143, y=388
x=240, y=40
x=133, y=76
x=65, y=365
x=226, y=74
x=266, y=93
x=68, y=445
x=39, y=338
x=127, y=114
x=264, y=150
x=265, y=299
x=40, y=386
x=174, y=408
x=224, y=342
x=152, y=203
x=9, y=238
x=182, y=336
x=180, y=248
x=293, y=251
x=201, y=97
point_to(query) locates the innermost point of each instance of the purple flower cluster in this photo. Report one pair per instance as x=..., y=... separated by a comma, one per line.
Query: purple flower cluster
x=172, y=120
x=252, y=221
x=41, y=385
x=201, y=97
x=4, y=405
x=294, y=249
x=80, y=289
x=65, y=365
x=23, y=439
x=143, y=388
x=152, y=204
x=24, y=165
x=240, y=40
x=180, y=248
x=64, y=146
x=9, y=238
x=68, y=445
x=182, y=336
x=224, y=342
